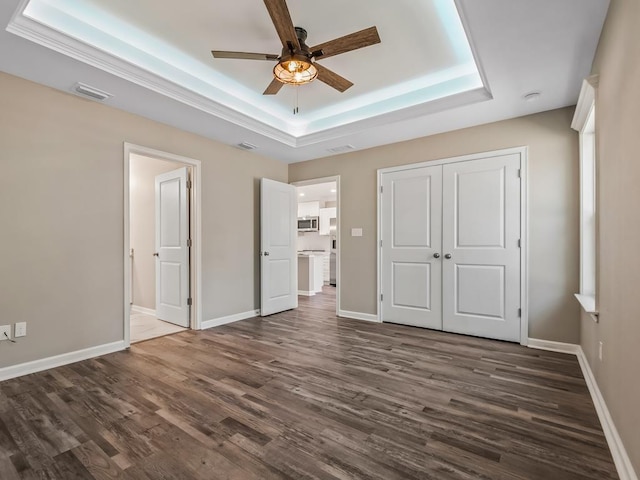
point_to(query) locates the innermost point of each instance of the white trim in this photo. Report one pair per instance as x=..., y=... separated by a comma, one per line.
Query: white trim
x=367, y=317
x=144, y=310
x=551, y=346
x=315, y=181
x=305, y=293
x=34, y=366
x=618, y=452
x=586, y=100
x=195, y=231
x=588, y=303
x=524, y=223
x=216, y=322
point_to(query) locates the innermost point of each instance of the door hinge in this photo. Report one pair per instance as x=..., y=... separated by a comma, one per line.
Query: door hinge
x=519, y=312
x=189, y=301
x=380, y=243
x=381, y=297
x=519, y=243
x=519, y=173
x=188, y=242
x=381, y=188
x=189, y=184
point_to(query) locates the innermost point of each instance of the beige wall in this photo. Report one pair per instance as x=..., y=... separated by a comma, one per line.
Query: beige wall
x=142, y=225
x=553, y=208
x=617, y=129
x=61, y=218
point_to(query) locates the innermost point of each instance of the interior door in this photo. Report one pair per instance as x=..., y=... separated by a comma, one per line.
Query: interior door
x=172, y=251
x=481, y=250
x=278, y=253
x=411, y=208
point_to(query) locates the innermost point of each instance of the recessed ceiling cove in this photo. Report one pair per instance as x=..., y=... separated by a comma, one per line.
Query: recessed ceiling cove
x=439, y=65
x=424, y=55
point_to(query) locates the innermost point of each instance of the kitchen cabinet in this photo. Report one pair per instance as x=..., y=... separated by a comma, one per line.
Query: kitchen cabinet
x=309, y=274
x=326, y=214
x=326, y=268
x=308, y=209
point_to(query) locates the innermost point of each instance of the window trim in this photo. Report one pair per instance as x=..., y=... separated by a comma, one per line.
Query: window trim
x=584, y=123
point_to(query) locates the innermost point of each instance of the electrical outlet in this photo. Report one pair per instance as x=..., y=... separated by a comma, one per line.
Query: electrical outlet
x=20, y=330
x=600, y=351
x=5, y=332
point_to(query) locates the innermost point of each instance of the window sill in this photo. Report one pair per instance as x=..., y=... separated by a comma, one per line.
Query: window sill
x=588, y=303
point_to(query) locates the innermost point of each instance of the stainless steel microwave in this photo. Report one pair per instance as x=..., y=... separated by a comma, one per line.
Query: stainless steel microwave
x=308, y=224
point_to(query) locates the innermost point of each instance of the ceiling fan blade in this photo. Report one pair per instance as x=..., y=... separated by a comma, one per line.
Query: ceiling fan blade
x=273, y=88
x=281, y=19
x=332, y=79
x=243, y=55
x=353, y=41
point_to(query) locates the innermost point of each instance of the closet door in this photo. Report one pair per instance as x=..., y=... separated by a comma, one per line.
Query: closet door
x=481, y=253
x=411, y=209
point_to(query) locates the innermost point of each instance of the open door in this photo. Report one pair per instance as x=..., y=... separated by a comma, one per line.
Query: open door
x=278, y=255
x=172, y=250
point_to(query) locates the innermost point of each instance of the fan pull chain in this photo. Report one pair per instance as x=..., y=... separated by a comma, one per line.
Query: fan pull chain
x=295, y=105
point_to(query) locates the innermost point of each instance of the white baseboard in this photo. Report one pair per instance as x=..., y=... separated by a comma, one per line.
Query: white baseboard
x=34, y=366
x=146, y=311
x=216, y=322
x=618, y=452
x=561, y=347
x=367, y=317
x=304, y=293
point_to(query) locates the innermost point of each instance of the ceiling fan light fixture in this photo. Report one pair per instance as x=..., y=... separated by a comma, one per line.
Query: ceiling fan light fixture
x=295, y=70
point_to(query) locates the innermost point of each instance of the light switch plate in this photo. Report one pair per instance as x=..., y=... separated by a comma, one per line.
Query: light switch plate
x=356, y=232
x=20, y=330
x=5, y=329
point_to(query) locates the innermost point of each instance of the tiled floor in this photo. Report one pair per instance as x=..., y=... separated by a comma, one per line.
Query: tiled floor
x=144, y=327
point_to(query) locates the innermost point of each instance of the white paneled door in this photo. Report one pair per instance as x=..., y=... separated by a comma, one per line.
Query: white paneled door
x=172, y=250
x=450, y=253
x=481, y=252
x=412, y=242
x=278, y=253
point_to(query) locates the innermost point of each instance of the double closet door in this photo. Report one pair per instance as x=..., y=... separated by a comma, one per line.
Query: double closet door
x=450, y=252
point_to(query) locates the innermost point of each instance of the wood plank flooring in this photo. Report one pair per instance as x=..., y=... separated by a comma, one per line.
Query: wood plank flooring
x=305, y=395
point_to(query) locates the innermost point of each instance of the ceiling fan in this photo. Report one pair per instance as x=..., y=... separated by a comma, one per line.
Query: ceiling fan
x=297, y=62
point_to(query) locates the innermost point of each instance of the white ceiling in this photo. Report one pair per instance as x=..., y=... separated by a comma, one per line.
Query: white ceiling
x=154, y=57
x=317, y=192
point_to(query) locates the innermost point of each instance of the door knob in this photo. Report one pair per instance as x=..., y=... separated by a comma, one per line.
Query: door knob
x=447, y=256
x=436, y=255
x=156, y=254
x=266, y=254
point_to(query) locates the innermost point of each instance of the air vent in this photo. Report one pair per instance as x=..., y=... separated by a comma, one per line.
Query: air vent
x=342, y=149
x=246, y=146
x=91, y=92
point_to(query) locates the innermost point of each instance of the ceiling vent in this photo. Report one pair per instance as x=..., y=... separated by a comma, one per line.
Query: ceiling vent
x=342, y=149
x=246, y=146
x=91, y=92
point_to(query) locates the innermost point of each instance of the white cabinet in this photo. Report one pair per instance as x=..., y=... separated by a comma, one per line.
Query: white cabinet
x=326, y=214
x=326, y=268
x=308, y=209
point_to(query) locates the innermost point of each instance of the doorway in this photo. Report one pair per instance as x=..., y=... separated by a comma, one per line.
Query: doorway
x=162, y=240
x=318, y=241
x=452, y=241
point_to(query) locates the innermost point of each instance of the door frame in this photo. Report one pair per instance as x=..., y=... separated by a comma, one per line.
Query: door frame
x=524, y=223
x=315, y=181
x=195, y=227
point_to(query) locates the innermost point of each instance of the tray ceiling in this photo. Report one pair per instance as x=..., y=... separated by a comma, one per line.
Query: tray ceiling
x=436, y=56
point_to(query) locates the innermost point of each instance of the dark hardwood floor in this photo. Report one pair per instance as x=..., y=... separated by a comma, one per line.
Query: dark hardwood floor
x=305, y=395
